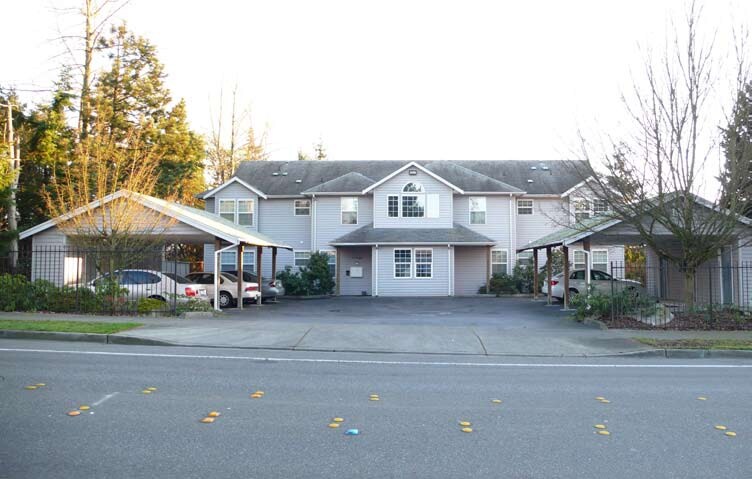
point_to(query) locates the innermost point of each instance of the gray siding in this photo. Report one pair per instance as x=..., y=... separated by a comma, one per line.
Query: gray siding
x=48, y=260
x=329, y=220
x=469, y=269
x=497, y=217
x=549, y=215
x=438, y=285
x=237, y=191
x=394, y=187
x=355, y=257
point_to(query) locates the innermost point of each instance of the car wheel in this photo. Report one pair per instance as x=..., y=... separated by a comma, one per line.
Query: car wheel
x=225, y=299
x=573, y=291
x=633, y=292
x=156, y=296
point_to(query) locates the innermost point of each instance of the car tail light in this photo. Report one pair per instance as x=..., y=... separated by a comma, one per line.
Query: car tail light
x=251, y=288
x=190, y=292
x=554, y=282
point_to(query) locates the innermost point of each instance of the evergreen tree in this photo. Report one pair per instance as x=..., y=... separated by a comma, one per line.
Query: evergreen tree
x=737, y=147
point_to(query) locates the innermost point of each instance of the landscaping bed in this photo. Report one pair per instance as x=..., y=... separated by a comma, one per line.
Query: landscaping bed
x=701, y=321
x=735, y=344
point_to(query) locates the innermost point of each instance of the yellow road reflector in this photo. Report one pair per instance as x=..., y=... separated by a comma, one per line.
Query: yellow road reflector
x=207, y=420
x=259, y=392
x=374, y=395
x=603, y=432
x=467, y=429
x=84, y=408
x=721, y=428
x=496, y=401
x=146, y=391
x=599, y=398
x=74, y=413
x=702, y=398
x=256, y=396
x=465, y=423
x=39, y=385
x=373, y=399
x=605, y=401
x=730, y=433
x=333, y=425
x=213, y=414
x=600, y=426
x=152, y=389
x=337, y=419
x=30, y=387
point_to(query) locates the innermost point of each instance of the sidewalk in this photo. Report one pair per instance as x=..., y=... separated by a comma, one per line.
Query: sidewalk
x=432, y=339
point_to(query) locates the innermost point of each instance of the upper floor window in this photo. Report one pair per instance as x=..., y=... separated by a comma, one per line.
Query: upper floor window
x=524, y=207
x=477, y=210
x=349, y=210
x=581, y=209
x=392, y=206
x=239, y=212
x=413, y=188
x=600, y=207
x=413, y=206
x=302, y=207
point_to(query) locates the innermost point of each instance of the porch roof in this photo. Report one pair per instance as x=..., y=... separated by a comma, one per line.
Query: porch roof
x=368, y=235
x=572, y=234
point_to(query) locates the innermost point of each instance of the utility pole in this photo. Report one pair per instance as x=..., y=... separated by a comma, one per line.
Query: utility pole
x=15, y=163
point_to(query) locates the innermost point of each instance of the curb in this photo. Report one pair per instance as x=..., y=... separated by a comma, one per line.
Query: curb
x=81, y=337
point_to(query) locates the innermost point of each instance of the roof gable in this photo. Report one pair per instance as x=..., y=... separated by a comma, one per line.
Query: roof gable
x=413, y=164
x=348, y=183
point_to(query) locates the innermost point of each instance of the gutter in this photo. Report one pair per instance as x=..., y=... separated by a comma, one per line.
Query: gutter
x=216, y=274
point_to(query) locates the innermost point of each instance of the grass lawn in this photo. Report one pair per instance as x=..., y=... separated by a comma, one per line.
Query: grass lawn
x=67, y=326
x=745, y=344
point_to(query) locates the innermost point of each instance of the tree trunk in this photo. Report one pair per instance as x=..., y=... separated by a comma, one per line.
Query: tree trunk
x=689, y=288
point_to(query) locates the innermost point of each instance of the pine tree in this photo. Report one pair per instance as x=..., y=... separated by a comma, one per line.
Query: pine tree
x=737, y=147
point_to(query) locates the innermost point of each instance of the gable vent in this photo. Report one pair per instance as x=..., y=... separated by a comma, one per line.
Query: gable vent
x=298, y=181
x=533, y=167
x=529, y=181
x=412, y=172
x=275, y=174
x=284, y=173
x=545, y=168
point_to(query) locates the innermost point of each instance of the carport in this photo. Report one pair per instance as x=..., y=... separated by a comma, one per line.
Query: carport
x=170, y=221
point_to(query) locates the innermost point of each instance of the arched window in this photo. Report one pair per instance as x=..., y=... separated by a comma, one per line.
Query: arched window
x=413, y=188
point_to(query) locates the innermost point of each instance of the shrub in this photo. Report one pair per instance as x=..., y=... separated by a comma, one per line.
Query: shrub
x=147, y=305
x=314, y=279
x=292, y=281
x=502, y=283
x=595, y=304
x=190, y=305
x=16, y=293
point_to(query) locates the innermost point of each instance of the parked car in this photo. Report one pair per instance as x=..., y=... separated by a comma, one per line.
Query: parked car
x=602, y=282
x=228, y=288
x=145, y=283
x=270, y=289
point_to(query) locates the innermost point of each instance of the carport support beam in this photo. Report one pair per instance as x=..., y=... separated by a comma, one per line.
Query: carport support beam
x=565, y=252
x=240, y=291
x=549, y=272
x=535, y=273
x=274, y=265
x=488, y=270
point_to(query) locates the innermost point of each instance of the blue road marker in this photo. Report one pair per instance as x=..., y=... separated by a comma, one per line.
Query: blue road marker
x=352, y=432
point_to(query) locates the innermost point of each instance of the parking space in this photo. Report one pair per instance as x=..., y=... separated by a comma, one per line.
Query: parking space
x=507, y=313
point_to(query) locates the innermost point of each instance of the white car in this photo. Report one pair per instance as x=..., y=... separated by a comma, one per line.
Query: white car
x=228, y=288
x=145, y=283
x=602, y=282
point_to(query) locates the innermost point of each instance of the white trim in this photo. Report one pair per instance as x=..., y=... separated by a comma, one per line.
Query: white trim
x=415, y=263
x=450, y=268
x=577, y=186
x=491, y=262
x=600, y=250
x=413, y=164
x=419, y=243
x=470, y=211
x=341, y=211
x=394, y=263
x=232, y=180
x=375, y=269
x=236, y=210
x=300, y=251
x=532, y=206
x=399, y=206
x=295, y=206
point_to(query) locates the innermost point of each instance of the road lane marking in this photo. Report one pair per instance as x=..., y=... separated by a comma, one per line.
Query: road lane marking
x=378, y=362
x=105, y=398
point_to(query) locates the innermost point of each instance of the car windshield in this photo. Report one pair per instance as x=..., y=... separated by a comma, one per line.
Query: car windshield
x=177, y=278
x=230, y=277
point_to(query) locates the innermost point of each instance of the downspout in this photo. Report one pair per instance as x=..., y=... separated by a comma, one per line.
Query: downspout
x=313, y=223
x=216, y=274
x=512, y=252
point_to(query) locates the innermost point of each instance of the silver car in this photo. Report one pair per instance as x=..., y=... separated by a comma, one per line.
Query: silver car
x=145, y=283
x=269, y=289
x=602, y=282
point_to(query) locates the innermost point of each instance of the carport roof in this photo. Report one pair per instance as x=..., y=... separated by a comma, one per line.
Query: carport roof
x=368, y=235
x=207, y=222
x=572, y=234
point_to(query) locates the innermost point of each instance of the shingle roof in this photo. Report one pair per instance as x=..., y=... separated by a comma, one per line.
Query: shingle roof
x=370, y=235
x=348, y=183
x=552, y=177
x=571, y=234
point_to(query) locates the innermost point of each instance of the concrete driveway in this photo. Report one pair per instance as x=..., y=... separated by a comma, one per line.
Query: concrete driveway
x=504, y=313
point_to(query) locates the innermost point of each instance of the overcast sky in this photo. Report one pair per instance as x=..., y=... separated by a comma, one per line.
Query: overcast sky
x=406, y=80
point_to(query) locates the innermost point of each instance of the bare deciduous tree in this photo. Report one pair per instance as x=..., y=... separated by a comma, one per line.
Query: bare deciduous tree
x=652, y=178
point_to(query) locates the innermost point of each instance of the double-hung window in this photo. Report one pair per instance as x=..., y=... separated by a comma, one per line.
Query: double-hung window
x=524, y=207
x=301, y=258
x=239, y=212
x=302, y=207
x=228, y=261
x=392, y=206
x=499, y=261
x=525, y=259
x=413, y=201
x=600, y=259
x=423, y=263
x=600, y=207
x=349, y=210
x=477, y=210
x=403, y=264
x=581, y=209
x=579, y=259
x=332, y=262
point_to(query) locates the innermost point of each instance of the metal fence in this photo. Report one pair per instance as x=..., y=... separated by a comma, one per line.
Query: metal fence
x=656, y=294
x=91, y=280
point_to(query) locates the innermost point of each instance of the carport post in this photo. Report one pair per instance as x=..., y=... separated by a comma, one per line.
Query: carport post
x=240, y=276
x=548, y=271
x=336, y=271
x=565, y=252
x=488, y=270
x=588, y=267
x=259, y=251
x=535, y=273
x=274, y=265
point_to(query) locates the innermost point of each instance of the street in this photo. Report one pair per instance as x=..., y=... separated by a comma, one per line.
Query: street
x=543, y=427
